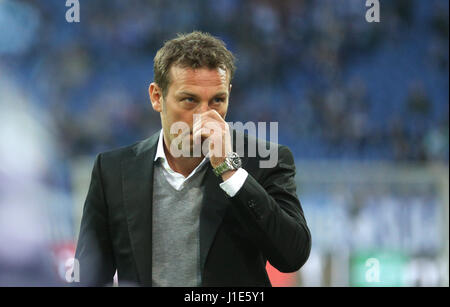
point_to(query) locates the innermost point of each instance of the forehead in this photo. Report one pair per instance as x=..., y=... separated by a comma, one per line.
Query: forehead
x=186, y=77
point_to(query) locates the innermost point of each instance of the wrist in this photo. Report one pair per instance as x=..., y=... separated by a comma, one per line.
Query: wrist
x=231, y=162
x=216, y=162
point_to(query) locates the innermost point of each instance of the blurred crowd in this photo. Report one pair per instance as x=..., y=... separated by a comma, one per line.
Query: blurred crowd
x=339, y=86
x=341, y=89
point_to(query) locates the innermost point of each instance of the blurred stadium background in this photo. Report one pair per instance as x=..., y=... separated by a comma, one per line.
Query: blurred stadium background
x=363, y=106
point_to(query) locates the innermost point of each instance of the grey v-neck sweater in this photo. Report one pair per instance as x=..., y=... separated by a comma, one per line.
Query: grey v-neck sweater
x=176, y=231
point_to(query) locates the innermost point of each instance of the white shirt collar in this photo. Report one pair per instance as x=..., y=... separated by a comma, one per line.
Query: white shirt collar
x=160, y=149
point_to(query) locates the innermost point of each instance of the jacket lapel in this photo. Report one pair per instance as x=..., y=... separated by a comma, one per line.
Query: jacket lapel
x=137, y=181
x=214, y=206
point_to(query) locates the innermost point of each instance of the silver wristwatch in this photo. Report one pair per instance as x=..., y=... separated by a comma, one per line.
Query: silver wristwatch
x=232, y=162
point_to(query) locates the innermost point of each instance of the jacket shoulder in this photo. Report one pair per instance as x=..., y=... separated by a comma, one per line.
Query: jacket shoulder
x=110, y=161
x=120, y=152
x=130, y=150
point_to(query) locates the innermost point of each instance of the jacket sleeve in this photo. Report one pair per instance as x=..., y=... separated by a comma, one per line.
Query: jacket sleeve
x=94, y=249
x=270, y=212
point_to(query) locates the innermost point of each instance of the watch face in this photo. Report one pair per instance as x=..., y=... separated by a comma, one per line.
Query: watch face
x=235, y=160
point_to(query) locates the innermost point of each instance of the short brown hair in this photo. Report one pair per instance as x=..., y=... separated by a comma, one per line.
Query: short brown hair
x=193, y=50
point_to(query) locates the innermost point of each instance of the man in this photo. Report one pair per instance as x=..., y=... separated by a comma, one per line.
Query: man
x=164, y=219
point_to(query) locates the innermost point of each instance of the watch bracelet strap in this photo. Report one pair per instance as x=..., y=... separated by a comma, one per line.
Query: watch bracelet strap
x=219, y=170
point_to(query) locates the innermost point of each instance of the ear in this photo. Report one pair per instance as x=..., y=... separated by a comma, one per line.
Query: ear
x=156, y=97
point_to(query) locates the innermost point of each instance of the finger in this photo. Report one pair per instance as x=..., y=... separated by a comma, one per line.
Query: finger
x=197, y=120
x=216, y=129
x=200, y=134
x=213, y=114
x=211, y=123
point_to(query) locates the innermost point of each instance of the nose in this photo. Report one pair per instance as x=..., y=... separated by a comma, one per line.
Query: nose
x=204, y=107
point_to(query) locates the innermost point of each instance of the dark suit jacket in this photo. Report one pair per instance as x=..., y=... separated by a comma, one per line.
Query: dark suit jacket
x=263, y=221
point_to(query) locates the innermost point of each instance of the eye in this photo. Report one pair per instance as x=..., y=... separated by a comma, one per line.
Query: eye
x=188, y=99
x=219, y=100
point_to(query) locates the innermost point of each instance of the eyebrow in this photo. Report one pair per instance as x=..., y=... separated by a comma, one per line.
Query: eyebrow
x=184, y=93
